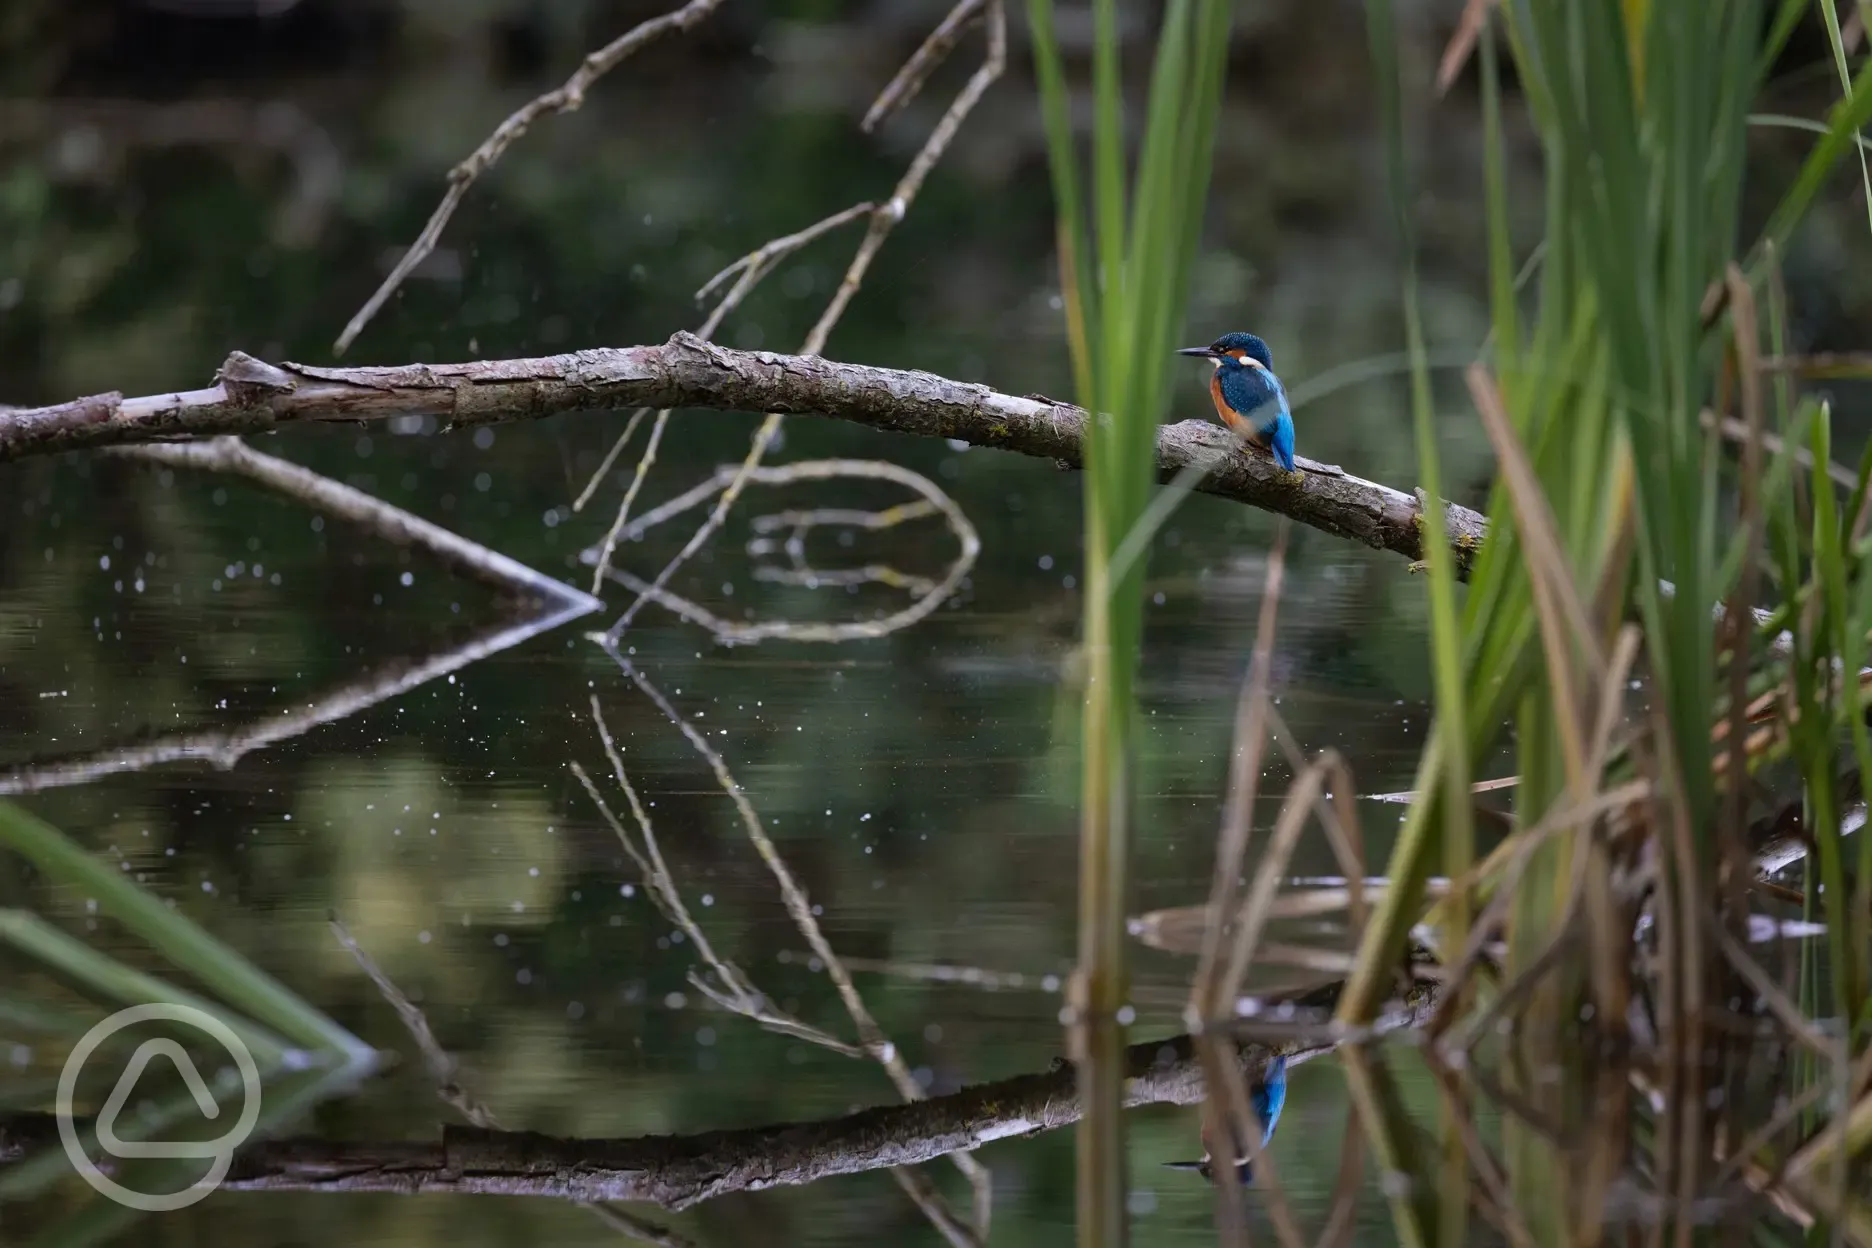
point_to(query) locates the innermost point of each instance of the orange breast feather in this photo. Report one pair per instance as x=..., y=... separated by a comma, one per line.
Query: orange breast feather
x=1239, y=424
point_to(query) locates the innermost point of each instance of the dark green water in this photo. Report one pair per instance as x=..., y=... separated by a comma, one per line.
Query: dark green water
x=920, y=785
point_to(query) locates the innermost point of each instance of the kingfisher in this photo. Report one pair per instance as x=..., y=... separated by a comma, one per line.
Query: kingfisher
x=1267, y=1097
x=1244, y=389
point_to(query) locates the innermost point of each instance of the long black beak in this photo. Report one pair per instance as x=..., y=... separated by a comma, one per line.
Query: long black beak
x=1206, y=352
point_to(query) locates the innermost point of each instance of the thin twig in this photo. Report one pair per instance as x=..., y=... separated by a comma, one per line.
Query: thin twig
x=604, y=466
x=922, y=63
x=564, y=99
x=334, y=498
x=443, y=1068
x=741, y=996
x=876, y=1045
x=946, y=973
x=627, y=1223
x=603, y=563
x=762, y=260
x=923, y=1194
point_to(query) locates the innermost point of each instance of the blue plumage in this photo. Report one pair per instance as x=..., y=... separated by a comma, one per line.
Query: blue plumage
x=1268, y=1097
x=1248, y=397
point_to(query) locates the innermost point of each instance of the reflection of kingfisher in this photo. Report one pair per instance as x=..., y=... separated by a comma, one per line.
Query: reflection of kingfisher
x=1267, y=1097
x=1248, y=396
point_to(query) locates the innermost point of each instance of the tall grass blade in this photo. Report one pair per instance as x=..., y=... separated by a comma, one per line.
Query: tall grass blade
x=1125, y=264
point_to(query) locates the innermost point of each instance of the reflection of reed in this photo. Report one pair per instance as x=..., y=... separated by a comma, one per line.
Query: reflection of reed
x=224, y=748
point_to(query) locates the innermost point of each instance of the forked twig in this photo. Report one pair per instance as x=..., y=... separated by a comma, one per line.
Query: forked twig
x=740, y=997
x=753, y=267
x=883, y=220
x=758, y=263
x=875, y=1044
x=931, y=594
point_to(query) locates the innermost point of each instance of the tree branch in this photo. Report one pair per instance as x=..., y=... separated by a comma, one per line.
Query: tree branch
x=251, y=396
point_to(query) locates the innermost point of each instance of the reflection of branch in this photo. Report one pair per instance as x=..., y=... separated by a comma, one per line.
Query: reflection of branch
x=876, y=1045
x=800, y=523
x=563, y=100
x=929, y=594
x=688, y=372
x=223, y=748
x=737, y=993
x=677, y=1172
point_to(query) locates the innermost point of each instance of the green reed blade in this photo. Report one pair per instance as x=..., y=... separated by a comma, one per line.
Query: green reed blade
x=183, y=943
x=114, y=980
